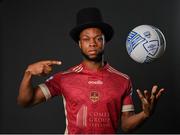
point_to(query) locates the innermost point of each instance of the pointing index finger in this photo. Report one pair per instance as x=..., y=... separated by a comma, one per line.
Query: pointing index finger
x=53, y=62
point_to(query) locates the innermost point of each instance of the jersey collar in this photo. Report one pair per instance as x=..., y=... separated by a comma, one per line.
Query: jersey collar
x=86, y=69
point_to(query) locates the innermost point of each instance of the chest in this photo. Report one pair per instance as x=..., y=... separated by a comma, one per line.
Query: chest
x=93, y=88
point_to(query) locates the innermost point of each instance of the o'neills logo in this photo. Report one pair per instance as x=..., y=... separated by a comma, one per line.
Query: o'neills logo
x=95, y=82
x=94, y=96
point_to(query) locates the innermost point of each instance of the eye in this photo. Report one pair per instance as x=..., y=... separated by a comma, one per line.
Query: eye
x=100, y=39
x=85, y=39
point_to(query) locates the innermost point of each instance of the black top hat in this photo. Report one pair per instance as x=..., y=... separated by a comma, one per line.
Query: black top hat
x=88, y=18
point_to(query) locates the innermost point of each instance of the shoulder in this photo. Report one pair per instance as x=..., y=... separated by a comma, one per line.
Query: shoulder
x=117, y=73
x=70, y=71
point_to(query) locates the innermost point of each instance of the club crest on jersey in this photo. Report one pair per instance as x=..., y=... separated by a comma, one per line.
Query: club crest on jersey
x=94, y=96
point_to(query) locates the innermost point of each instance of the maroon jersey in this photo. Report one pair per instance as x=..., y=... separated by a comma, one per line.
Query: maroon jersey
x=93, y=100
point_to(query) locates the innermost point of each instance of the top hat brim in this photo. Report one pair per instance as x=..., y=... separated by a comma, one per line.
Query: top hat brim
x=107, y=30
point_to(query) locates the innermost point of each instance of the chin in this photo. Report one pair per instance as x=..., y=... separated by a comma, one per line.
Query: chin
x=93, y=57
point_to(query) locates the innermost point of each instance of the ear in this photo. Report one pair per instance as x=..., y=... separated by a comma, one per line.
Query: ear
x=103, y=39
x=79, y=44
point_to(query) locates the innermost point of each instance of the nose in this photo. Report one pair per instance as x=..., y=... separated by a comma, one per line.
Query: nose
x=92, y=42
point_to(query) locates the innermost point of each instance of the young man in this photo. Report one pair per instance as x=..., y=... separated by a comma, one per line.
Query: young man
x=96, y=96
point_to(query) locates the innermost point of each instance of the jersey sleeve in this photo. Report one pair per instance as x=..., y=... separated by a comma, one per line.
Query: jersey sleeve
x=51, y=87
x=127, y=101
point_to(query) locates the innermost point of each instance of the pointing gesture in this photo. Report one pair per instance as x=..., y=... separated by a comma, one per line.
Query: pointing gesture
x=149, y=99
x=42, y=67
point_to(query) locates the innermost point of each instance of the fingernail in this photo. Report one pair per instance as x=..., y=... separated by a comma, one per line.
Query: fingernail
x=145, y=91
x=59, y=62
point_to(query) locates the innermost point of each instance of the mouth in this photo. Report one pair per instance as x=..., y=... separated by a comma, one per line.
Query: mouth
x=92, y=51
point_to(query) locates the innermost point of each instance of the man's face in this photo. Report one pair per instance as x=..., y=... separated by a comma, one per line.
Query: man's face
x=92, y=44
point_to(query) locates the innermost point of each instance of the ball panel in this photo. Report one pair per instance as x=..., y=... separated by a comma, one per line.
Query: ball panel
x=138, y=54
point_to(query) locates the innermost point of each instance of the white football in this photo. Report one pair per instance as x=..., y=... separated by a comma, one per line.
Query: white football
x=145, y=43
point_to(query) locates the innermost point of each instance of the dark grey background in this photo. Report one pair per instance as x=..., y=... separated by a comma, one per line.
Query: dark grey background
x=38, y=30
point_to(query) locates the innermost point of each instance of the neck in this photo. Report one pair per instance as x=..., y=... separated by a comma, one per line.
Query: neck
x=92, y=65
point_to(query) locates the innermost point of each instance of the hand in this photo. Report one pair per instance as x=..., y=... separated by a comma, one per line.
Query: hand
x=42, y=67
x=149, y=100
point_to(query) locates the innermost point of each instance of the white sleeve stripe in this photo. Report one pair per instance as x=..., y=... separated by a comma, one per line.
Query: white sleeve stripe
x=127, y=108
x=45, y=91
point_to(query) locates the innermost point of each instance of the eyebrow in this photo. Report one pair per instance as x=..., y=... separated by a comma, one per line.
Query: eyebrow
x=93, y=37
